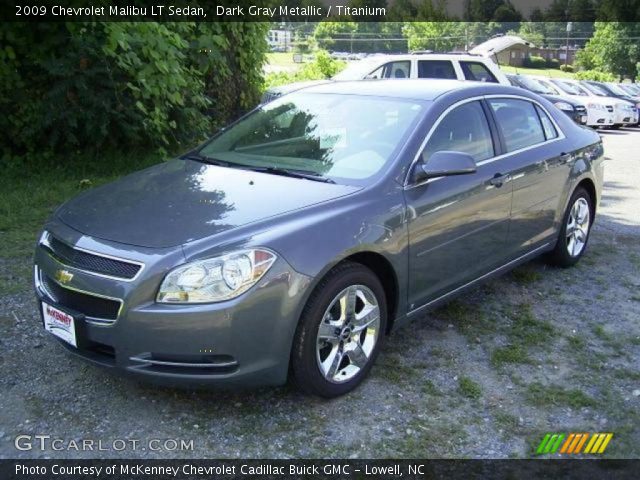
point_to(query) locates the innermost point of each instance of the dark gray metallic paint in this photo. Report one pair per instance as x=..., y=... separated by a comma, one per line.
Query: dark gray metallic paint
x=438, y=236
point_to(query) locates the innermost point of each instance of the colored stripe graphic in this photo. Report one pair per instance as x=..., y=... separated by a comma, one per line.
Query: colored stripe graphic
x=597, y=443
x=550, y=443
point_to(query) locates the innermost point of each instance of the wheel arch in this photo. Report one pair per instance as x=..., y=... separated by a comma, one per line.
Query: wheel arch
x=590, y=187
x=381, y=266
x=383, y=269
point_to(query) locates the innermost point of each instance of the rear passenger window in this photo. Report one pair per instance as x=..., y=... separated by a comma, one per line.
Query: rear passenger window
x=392, y=70
x=519, y=123
x=477, y=71
x=547, y=125
x=436, y=69
x=464, y=129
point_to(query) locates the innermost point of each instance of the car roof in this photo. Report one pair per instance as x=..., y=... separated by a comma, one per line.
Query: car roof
x=418, y=89
x=425, y=56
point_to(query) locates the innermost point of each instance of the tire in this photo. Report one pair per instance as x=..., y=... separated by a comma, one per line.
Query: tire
x=333, y=361
x=569, y=249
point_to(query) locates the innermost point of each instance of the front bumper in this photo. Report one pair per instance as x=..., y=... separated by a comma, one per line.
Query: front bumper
x=245, y=341
x=625, y=117
x=599, y=118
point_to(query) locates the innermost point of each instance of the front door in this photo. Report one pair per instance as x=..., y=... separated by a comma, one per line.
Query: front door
x=458, y=225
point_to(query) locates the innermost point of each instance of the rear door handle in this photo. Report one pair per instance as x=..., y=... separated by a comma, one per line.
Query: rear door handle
x=499, y=179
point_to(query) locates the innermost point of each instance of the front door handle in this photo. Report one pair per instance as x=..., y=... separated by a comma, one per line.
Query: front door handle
x=499, y=179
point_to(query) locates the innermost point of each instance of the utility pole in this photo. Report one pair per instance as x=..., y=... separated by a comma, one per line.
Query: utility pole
x=566, y=51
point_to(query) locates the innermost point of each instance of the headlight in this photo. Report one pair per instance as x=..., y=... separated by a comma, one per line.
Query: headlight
x=215, y=279
x=564, y=106
x=596, y=106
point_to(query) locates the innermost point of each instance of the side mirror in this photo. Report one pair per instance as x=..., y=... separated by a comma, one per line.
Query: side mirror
x=444, y=164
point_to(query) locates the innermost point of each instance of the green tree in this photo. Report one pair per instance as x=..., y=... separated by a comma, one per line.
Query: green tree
x=121, y=85
x=533, y=32
x=335, y=36
x=612, y=49
x=436, y=36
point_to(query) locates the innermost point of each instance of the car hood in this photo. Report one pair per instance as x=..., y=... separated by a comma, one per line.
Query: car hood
x=557, y=98
x=183, y=200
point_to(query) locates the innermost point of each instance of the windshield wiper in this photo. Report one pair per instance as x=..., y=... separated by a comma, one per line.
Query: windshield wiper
x=285, y=172
x=205, y=159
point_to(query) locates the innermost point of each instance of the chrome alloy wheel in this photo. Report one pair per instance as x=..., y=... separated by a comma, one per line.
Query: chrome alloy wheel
x=348, y=333
x=577, y=227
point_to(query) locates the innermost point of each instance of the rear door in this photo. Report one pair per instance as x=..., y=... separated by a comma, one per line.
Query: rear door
x=457, y=225
x=538, y=169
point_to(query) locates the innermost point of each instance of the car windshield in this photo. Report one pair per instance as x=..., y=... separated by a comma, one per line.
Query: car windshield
x=616, y=89
x=554, y=89
x=346, y=138
x=535, y=86
x=595, y=89
x=627, y=89
x=571, y=88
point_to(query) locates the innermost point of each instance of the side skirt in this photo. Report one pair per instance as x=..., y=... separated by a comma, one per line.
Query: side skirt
x=457, y=291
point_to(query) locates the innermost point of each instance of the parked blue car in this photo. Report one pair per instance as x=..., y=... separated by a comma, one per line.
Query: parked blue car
x=294, y=240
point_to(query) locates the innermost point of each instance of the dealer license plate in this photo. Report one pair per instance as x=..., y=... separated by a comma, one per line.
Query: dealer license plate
x=59, y=323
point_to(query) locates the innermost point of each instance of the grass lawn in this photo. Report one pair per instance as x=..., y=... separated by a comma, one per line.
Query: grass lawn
x=31, y=194
x=281, y=59
x=546, y=72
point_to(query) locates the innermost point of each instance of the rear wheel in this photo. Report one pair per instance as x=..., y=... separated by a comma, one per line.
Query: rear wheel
x=575, y=230
x=340, y=332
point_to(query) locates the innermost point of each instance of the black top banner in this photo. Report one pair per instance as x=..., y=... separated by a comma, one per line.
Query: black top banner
x=323, y=10
x=316, y=469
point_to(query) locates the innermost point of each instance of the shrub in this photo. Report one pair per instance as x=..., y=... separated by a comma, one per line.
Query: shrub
x=553, y=63
x=567, y=68
x=595, y=75
x=534, y=62
x=89, y=86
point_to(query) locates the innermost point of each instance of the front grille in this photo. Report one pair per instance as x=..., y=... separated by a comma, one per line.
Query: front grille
x=89, y=305
x=90, y=262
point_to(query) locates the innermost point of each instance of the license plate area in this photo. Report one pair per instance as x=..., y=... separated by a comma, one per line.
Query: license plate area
x=60, y=323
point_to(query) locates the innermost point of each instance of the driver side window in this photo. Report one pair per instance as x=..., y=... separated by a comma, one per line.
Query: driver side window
x=464, y=129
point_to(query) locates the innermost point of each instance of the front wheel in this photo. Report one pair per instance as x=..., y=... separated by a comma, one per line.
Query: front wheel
x=575, y=230
x=340, y=332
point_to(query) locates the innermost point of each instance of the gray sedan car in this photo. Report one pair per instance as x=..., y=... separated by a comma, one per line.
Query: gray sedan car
x=296, y=239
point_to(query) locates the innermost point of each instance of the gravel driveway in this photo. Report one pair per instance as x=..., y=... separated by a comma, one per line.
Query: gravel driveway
x=539, y=350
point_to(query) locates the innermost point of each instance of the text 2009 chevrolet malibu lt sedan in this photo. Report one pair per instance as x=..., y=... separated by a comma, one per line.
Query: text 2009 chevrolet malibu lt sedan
x=295, y=239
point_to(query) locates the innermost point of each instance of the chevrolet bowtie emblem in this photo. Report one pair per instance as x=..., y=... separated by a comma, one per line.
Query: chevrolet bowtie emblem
x=64, y=276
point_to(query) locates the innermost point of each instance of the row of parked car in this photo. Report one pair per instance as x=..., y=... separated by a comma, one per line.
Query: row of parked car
x=587, y=102
x=590, y=103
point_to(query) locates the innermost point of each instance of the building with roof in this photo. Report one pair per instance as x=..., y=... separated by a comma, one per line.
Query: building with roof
x=513, y=50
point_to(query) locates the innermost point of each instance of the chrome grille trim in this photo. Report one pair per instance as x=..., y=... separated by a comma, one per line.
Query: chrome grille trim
x=45, y=242
x=41, y=287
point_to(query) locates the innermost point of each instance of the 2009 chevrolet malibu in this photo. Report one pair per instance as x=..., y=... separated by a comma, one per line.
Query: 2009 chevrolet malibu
x=298, y=237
